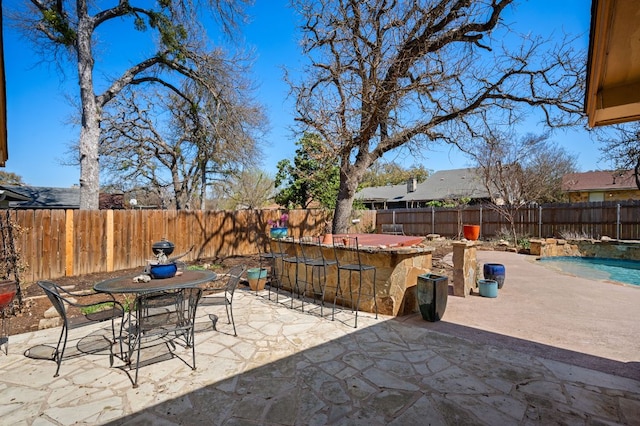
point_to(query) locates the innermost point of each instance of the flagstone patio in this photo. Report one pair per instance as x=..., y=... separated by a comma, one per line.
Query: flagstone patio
x=515, y=359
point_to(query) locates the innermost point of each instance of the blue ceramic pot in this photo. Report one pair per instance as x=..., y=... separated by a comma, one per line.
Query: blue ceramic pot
x=488, y=288
x=278, y=233
x=494, y=271
x=167, y=270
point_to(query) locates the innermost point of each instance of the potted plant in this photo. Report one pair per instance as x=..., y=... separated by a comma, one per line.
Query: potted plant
x=328, y=232
x=279, y=227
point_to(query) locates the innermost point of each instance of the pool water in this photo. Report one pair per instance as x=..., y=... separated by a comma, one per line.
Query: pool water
x=598, y=268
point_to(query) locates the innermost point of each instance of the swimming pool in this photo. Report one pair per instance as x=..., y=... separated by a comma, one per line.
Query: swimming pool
x=598, y=268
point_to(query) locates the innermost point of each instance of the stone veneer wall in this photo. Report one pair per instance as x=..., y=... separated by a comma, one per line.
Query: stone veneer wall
x=397, y=271
x=607, y=248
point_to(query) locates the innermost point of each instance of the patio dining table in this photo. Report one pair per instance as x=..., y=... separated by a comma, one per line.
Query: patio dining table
x=125, y=284
x=142, y=290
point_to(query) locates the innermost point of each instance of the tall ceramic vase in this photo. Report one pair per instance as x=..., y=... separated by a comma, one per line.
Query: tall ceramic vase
x=432, y=291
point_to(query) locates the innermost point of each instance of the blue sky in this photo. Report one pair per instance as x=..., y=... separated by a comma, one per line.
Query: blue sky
x=38, y=110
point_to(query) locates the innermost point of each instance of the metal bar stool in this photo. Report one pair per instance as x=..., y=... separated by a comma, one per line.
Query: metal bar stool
x=271, y=258
x=351, y=243
x=316, y=263
x=287, y=261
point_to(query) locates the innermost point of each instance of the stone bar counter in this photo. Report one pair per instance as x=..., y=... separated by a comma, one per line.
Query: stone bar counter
x=398, y=261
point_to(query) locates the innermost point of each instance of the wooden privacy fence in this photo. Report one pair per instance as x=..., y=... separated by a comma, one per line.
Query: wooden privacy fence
x=620, y=220
x=56, y=243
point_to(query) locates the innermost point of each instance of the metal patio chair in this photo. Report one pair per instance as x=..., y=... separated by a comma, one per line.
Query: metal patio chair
x=223, y=295
x=60, y=299
x=162, y=318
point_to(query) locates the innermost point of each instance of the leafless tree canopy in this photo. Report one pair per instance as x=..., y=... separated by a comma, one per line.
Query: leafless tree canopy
x=177, y=141
x=386, y=74
x=66, y=32
x=518, y=171
x=621, y=147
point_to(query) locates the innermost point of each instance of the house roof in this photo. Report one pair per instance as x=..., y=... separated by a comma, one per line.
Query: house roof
x=442, y=185
x=599, y=181
x=381, y=193
x=45, y=197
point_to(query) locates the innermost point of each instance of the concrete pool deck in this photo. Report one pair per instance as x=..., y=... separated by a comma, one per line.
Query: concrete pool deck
x=573, y=319
x=550, y=349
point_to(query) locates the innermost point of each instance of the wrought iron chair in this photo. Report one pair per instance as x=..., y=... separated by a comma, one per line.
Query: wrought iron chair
x=223, y=295
x=356, y=266
x=59, y=298
x=316, y=264
x=270, y=258
x=163, y=318
x=287, y=261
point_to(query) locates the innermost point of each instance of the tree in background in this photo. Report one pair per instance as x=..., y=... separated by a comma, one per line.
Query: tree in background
x=313, y=176
x=249, y=189
x=389, y=75
x=66, y=32
x=621, y=146
x=9, y=178
x=177, y=145
x=383, y=173
x=517, y=171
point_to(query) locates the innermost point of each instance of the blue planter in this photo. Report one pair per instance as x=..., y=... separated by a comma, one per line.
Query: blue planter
x=257, y=278
x=494, y=271
x=488, y=288
x=278, y=233
x=158, y=272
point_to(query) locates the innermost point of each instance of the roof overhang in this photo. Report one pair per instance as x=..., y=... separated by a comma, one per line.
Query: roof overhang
x=613, y=68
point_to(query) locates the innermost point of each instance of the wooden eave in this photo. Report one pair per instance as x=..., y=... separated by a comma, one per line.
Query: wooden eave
x=613, y=67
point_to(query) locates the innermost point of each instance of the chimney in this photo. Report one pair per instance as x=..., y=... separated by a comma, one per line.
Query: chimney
x=412, y=183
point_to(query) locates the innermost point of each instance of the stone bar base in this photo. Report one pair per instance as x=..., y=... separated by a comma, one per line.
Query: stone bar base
x=396, y=276
x=465, y=268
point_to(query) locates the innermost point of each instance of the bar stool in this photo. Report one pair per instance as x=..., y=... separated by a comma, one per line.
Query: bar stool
x=351, y=243
x=314, y=259
x=287, y=261
x=271, y=258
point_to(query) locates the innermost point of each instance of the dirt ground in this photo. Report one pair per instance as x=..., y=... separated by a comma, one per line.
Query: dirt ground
x=35, y=303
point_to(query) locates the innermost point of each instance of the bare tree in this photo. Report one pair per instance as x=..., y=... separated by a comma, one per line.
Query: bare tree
x=204, y=137
x=67, y=32
x=387, y=74
x=519, y=171
x=621, y=146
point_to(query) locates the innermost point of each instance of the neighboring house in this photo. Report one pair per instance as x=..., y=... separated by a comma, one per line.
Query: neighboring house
x=445, y=185
x=600, y=186
x=8, y=196
x=34, y=197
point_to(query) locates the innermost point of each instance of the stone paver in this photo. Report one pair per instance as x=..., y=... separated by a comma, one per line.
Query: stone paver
x=287, y=367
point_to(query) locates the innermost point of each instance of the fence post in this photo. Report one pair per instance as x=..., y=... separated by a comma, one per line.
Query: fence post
x=433, y=220
x=69, y=243
x=480, y=235
x=110, y=238
x=618, y=221
x=540, y=222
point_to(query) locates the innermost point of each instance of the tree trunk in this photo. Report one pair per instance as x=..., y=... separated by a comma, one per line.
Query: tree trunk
x=90, y=131
x=350, y=175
